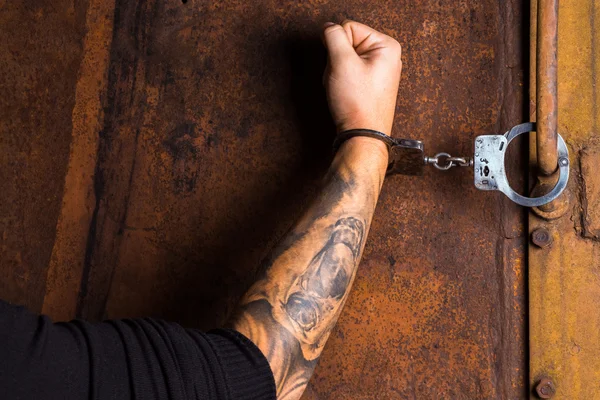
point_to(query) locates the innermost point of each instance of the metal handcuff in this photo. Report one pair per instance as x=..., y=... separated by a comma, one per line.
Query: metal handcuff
x=407, y=158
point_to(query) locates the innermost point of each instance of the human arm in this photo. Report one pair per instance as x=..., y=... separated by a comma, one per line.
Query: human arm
x=290, y=312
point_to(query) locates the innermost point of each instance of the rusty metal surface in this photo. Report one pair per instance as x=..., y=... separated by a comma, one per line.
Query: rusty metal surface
x=547, y=85
x=40, y=54
x=564, y=282
x=65, y=268
x=199, y=131
x=590, y=186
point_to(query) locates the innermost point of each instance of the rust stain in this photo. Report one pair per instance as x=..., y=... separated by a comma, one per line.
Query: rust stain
x=590, y=200
x=40, y=53
x=78, y=199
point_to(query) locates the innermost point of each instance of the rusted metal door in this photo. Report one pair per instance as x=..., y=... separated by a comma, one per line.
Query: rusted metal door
x=153, y=151
x=564, y=256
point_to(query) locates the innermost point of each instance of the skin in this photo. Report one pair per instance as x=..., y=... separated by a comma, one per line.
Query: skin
x=290, y=311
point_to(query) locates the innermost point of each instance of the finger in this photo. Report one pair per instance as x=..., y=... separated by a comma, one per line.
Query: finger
x=337, y=42
x=365, y=38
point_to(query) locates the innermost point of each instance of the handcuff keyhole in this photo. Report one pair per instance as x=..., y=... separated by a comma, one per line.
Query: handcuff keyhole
x=486, y=171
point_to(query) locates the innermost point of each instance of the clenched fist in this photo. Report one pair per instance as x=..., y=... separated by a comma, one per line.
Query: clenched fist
x=362, y=76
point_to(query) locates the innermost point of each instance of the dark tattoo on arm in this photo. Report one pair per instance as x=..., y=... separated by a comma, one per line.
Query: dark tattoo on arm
x=315, y=297
x=290, y=312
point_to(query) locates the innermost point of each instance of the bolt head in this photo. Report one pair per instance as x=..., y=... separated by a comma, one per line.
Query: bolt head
x=541, y=237
x=545, y=389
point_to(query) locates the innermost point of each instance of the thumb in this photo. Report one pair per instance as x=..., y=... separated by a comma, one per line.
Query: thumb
x=337, y=42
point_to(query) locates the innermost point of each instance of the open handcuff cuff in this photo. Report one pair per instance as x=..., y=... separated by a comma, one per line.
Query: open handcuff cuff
x=406, y=157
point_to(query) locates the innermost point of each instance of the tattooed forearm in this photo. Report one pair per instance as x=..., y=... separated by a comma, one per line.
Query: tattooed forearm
x=290, y=312
x=314, y=297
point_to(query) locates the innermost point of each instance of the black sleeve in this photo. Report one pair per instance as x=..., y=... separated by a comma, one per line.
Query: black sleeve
x=126, y=359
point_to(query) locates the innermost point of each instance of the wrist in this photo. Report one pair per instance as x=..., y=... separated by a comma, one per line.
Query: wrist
x=367, y=119
x=364, y=153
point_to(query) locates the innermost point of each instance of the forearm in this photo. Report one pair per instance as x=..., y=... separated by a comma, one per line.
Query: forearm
x=290, y=312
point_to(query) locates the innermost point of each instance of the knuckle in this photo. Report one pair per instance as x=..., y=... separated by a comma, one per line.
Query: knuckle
x=347, y=22
x=395, y=46
x=331, y=29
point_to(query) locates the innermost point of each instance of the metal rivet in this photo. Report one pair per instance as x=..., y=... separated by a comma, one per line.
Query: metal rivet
x=563, y=161
x=545, y=388
x=541, y=237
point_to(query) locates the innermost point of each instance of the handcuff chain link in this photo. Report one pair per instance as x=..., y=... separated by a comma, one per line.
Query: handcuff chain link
x=444, y=161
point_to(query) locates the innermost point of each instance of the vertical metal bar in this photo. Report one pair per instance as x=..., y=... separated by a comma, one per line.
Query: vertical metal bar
x=546, y=96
